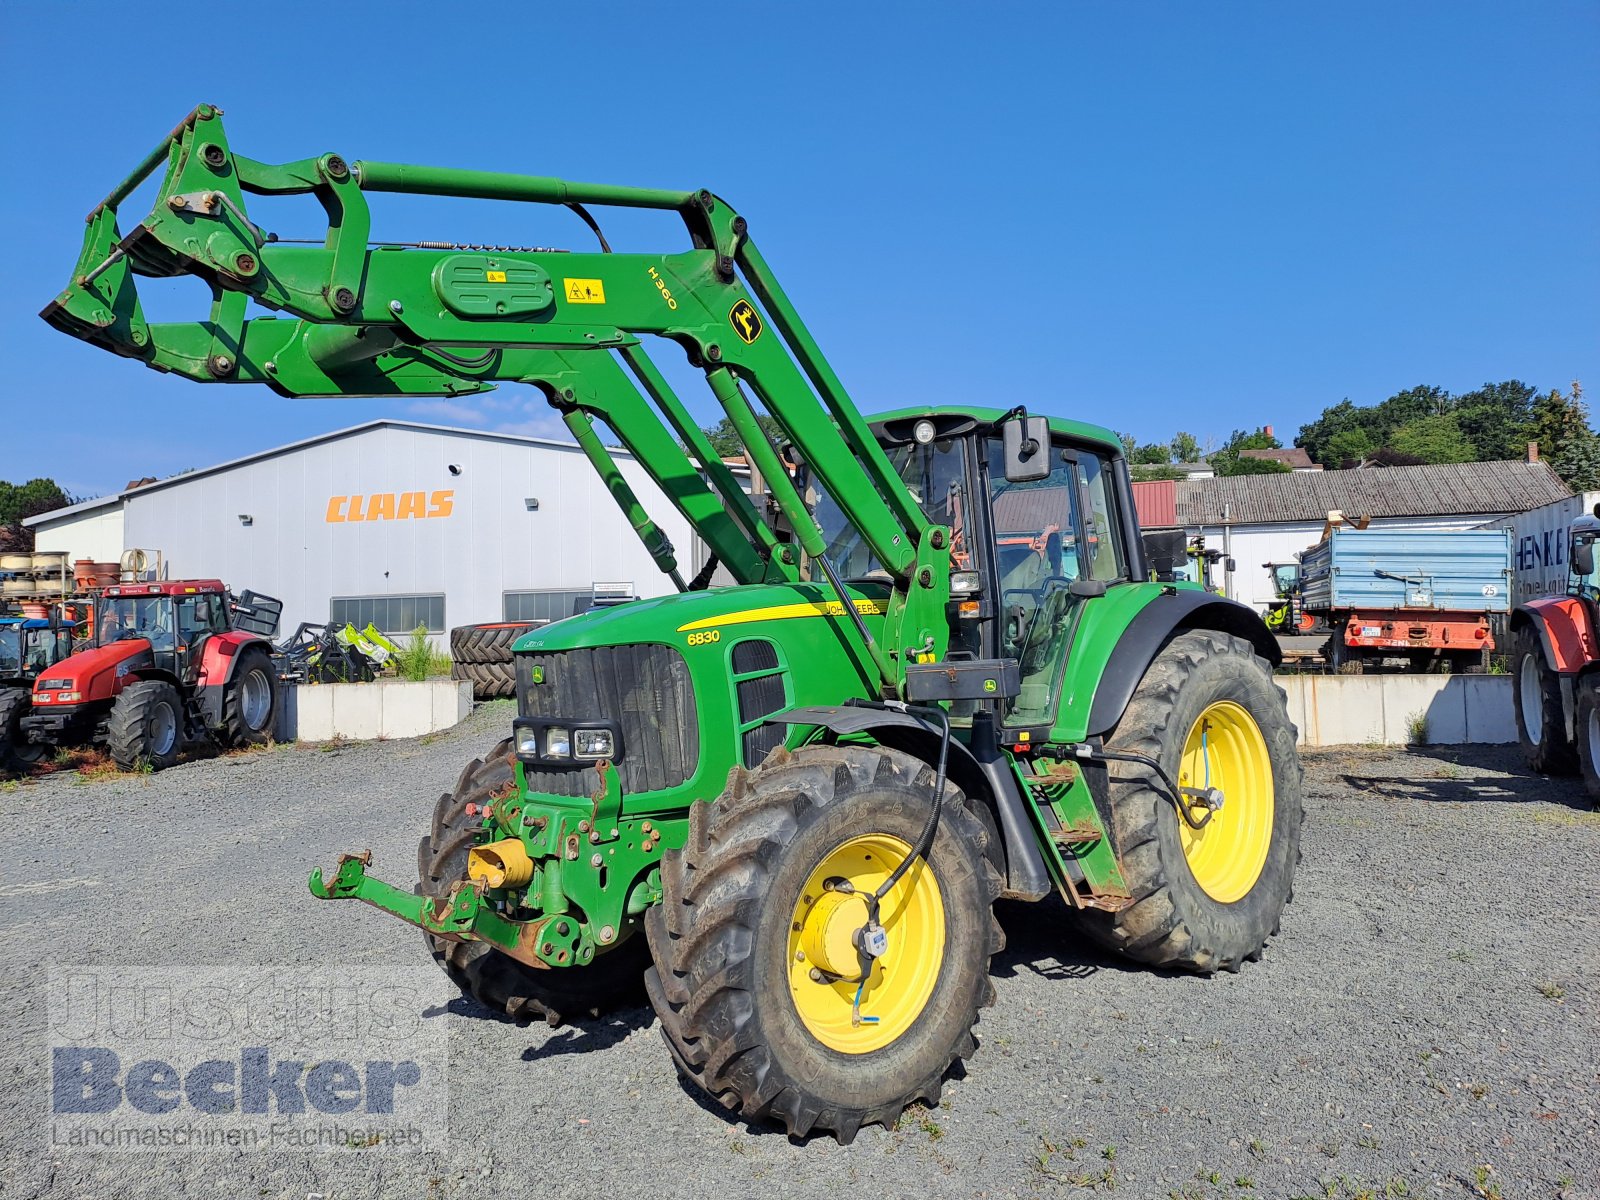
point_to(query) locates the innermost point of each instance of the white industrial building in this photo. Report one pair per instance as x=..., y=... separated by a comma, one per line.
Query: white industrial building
x=392, y=522
x=1259, y=519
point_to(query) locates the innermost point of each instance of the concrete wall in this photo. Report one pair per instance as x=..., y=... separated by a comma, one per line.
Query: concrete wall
x=360, y=712
x=1342, y=710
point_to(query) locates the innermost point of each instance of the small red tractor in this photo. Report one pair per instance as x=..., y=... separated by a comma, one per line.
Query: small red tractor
x=176, y=662
x=1555, y=667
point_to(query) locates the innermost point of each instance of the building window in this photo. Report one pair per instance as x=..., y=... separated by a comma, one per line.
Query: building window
x=544, y=606
x=391, y=614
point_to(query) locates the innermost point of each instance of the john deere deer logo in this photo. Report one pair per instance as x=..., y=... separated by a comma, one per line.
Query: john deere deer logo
x=746, y=321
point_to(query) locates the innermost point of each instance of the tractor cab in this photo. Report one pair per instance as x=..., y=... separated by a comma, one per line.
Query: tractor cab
x=1585, y=574
x=174, y=617
x=1285, y=578
x=27, y=647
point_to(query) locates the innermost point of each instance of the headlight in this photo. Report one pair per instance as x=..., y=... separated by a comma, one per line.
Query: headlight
x=69, y=697
x=923, y=432
x=595, y=743
x=557, y=743
x=527, y=742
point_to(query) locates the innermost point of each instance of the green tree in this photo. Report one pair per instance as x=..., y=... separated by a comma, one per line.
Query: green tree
x=1252, y=466
x=19, y=501
x=1150, y=472
x=1226, y=460
x=1129, y=443
x=1495, y=418
x=726, y=442
x=1348, y=446
x=1560, y=424
x=1435, y=439
x=1185, y=447
x=1152, y=453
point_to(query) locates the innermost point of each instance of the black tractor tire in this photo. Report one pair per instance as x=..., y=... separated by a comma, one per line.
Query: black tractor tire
x=481, y=654
x=719, y=940
x=487, y=643
x=241, y=724
x=615, y=979
x=146, y=726
x=1589, y=736
x=1173, y=922
x=490, y=681
x=1541, y=718
x=17, y=753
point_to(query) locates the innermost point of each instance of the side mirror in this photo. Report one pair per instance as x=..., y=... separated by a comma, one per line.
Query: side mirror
x=1582, y=556
x=1027, y=449
x=1228, y=564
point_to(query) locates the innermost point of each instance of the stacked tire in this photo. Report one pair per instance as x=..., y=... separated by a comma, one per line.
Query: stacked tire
x=482, y=655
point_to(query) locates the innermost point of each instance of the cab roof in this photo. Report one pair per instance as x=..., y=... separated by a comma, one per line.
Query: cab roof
x=1081, y=430
x=169, y=587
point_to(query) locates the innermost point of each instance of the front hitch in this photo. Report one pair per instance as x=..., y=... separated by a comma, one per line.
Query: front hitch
x=463, y=914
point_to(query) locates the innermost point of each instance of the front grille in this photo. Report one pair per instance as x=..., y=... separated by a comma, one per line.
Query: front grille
x=645, y=689
x=759, y=697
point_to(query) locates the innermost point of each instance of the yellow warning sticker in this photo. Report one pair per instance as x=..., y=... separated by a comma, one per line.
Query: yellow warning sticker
x=584, y=291
x=495, y=276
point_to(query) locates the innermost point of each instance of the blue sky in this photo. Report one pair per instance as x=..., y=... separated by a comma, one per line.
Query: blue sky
x=1157, y=216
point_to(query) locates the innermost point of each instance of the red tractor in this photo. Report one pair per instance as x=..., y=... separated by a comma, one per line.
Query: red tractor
x=176, y=662
x=1555, y=666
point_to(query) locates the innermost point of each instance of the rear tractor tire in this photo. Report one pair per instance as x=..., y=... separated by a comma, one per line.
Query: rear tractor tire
x=1541, y=718
x=146, y=726
x=1203, y=900
x=1589, y=736
x=766, y=998
x=613, y=980
x=251, y=702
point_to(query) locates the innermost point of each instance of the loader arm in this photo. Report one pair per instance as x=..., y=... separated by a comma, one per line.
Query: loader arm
x=423, y=319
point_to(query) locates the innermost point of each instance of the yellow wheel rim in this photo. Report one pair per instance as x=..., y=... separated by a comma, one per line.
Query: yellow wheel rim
x=1225, y=749
x=820, y=931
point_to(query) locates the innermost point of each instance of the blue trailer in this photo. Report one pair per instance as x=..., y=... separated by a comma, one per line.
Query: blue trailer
x=1423, y=596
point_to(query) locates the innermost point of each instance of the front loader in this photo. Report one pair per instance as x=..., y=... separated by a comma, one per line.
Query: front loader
x=941, y=673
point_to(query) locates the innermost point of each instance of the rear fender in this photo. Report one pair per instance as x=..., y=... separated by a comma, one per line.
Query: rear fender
x=1163, y=619
x=219, y=658
x=981, y=772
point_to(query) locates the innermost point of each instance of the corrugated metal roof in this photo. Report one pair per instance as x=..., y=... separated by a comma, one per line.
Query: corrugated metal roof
x=1442, y=489
x=1156, y=502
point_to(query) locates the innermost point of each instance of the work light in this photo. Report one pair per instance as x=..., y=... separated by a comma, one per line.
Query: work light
x=594, y=743
x=557, y=743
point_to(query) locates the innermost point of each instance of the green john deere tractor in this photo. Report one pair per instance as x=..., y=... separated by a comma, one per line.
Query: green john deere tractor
x=940, y=674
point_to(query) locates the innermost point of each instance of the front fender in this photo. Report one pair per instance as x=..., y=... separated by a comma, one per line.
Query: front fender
x=1157, y=623
x=1566, y=629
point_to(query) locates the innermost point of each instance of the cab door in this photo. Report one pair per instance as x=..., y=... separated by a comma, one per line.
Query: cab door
x=1056, y=542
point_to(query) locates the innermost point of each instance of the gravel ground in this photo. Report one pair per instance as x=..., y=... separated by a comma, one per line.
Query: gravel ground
x=1427, y=1023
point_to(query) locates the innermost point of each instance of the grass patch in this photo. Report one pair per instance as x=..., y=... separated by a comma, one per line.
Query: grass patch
x=1417, y=728
x=1553, y=991
x=418, y=660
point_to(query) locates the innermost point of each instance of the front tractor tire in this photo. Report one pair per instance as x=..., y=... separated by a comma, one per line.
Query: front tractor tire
x=554, y=995
x=1541, y=716
x=1207, y=900
x=758, y=980
x=146, y=726
x=17, y=753
x=250, y=703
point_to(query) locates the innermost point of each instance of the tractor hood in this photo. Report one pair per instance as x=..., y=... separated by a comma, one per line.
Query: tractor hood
x=92, y=673
x=672, y=620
